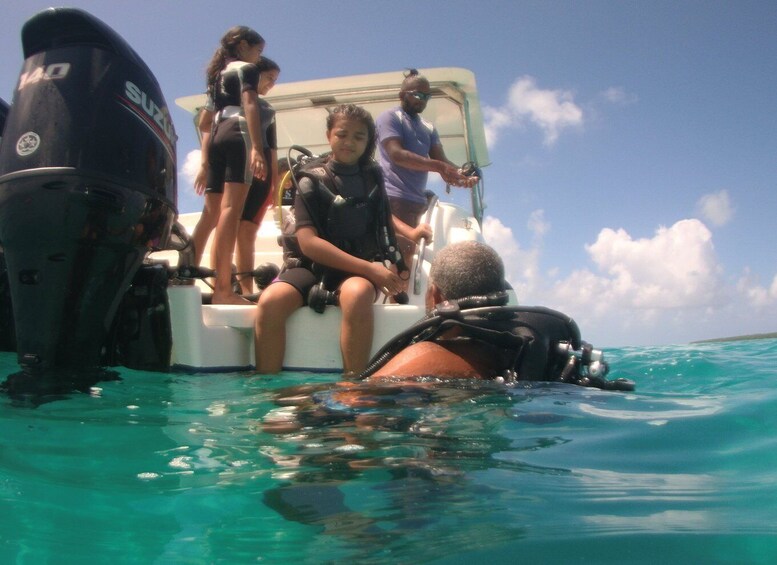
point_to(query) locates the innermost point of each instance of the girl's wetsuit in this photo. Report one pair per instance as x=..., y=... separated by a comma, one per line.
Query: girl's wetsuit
x=260, y=188
x=354, y=229
x=229, y=153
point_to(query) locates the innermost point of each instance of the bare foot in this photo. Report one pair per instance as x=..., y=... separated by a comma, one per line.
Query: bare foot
x=230, y=299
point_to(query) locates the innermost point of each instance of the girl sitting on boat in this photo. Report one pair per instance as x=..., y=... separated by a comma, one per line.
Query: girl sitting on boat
x=340, y=207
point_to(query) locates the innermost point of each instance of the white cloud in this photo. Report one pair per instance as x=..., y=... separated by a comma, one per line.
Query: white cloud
x=187, y=198
x=668, y=288
x=496, y=120
x=618, y=95
x=550, y=110
x=521, y=265
x=715, y=208
x=677, y=267
x=537, y=224
x=191, y=166
x=757, y=296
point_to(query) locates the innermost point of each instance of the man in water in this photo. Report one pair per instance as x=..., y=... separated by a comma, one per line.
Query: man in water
x=409, y=148
x=531, y=343
x=460, y=270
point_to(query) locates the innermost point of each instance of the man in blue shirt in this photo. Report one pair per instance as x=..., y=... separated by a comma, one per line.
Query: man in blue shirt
x=409, y=148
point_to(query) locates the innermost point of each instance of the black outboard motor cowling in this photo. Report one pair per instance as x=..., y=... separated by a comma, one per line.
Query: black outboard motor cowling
x=7, y=342
x=87, y=186
x=3, y=115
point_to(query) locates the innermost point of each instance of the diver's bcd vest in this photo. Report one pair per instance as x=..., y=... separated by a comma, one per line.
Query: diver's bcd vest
x=359, y=226
x=534, y=343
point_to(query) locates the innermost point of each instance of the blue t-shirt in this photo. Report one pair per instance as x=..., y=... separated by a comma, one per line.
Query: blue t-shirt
x=415, y=134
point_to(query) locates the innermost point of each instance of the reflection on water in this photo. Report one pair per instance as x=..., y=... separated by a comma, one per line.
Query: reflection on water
x=387, y=465
x=296, y=468
x=660, y=411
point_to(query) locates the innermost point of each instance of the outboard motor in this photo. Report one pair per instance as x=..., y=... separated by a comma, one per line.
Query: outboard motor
x=3, y=115
x=87, y=189
x=7, y=342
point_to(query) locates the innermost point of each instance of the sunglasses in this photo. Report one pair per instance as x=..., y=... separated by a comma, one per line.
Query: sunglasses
x=423, y=96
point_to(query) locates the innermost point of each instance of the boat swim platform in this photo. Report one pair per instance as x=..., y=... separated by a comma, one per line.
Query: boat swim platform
x=219, y=337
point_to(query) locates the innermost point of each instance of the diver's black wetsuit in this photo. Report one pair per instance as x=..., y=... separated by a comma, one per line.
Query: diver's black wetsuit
x=229, y=153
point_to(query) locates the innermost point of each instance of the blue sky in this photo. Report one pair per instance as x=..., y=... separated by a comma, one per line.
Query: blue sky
x=633, y=144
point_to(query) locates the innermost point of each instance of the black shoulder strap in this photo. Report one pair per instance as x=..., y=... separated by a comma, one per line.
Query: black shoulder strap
x=315, y=172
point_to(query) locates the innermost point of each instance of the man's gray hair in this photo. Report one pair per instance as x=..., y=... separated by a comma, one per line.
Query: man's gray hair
x=467, y=268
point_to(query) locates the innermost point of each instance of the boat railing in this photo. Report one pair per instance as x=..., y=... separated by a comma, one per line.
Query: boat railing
x=478, y=205
x=432, y=203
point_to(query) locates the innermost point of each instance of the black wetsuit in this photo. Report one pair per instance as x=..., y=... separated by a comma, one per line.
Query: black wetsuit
x=355, y=230
x=229, y=153
x=260, y=188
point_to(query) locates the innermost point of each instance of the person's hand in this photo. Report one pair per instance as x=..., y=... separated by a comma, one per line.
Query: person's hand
x=470, y=181
x=388, y=282
x=258, y=166
x=455, y=177
x=200, y=181
x=452, y=176
x=422, y=231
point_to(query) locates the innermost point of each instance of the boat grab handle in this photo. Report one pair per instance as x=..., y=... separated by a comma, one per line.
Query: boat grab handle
x=432, y=202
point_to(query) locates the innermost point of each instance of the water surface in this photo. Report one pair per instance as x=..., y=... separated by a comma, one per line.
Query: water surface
x=230, y=468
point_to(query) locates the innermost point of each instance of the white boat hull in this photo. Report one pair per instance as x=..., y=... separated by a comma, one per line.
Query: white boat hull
x=221, y=337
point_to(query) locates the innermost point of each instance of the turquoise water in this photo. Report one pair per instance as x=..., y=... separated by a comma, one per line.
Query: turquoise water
x=173, y=468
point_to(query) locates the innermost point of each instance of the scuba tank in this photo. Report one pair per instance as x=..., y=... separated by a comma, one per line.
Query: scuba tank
x=542, y=344
x=87, y=187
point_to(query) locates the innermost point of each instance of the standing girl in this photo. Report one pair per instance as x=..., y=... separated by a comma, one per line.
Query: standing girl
x=261, y=193
x=339, y=242
x=232, y=150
